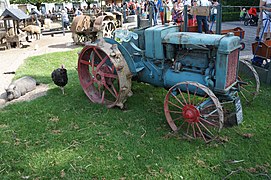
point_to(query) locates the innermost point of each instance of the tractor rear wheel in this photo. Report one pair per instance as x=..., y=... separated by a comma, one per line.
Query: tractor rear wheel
x=193, y=109
x=104, y=74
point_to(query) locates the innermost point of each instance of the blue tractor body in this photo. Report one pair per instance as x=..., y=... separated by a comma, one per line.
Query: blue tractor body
x=200, y=72
x=162, y=56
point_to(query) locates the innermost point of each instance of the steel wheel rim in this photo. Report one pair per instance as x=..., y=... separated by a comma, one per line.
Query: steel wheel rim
x=183, y=111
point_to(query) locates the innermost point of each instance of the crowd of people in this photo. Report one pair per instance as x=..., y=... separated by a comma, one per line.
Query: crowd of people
x=173, y=11
x=165, y=10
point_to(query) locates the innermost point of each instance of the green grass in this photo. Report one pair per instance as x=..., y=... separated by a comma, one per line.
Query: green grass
x=66, y=136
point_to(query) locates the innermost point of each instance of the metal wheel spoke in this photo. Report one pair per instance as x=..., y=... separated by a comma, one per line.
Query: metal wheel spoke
x=97, y=53
x=89, y=83
x=208, y=122
x=114, y=89
x=244, y=96
x=178, y=118
x=101, y=63
x=177, y=99
x=85, y=62
x=188, y=127
x=208, y=106
x=253, y=93
x=175, y=105
x=203, y=98
x=194, y=131
x=205, y=128
x=103, y=93
x=111, y=92
x=107, y=75
x=200, y=132
x=175, y=112
x=92, y=63
x=193, y=101
x=182, y=96
x=188, y=94
x=180, y=126
x=210, y=114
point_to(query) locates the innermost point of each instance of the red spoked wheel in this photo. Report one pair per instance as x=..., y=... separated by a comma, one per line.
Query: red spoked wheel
x=104, y=74
x=193, y=108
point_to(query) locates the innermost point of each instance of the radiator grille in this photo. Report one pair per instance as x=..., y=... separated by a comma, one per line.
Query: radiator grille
x=232, y=67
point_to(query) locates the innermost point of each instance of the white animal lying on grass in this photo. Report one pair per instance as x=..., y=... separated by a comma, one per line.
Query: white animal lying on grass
x=20, y=87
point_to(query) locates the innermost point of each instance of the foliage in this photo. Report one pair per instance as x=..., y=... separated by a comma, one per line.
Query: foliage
x=230, y=16
x=36, y=3
x=66, y=136
x=241, y=3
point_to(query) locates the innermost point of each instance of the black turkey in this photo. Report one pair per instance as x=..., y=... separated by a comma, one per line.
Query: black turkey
x=60, y=77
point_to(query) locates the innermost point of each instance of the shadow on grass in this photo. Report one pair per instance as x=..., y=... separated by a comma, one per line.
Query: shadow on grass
x=65, y=45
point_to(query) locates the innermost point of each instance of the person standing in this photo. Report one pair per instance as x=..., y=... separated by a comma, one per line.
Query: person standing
x=65, y=18
x=177, y=12
x=160, y=6
x=213, y=13
x=202, y=18
x=266, y=7
x=243, y=13
x=260, y=22
x=151, y=6
x=78, y=12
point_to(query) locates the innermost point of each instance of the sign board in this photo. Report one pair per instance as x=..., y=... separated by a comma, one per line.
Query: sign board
x=200, y=10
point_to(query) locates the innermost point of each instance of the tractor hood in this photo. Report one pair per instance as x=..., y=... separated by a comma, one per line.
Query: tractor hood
x=224, y=43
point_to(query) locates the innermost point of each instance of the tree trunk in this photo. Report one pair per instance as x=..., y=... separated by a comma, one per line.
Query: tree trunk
x=38, y=4
x=88, y=3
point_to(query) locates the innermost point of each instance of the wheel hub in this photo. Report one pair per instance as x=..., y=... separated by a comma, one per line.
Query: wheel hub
x=191, y=113
x=98, y=77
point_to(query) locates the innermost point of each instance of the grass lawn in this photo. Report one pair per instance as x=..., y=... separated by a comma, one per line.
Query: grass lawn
x=66, y=136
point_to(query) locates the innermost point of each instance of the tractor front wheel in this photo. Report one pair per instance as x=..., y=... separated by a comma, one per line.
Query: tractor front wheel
x=194, y=110
x=249, y=81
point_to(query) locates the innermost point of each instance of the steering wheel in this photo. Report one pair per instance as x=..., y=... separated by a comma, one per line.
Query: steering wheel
x=125, y=35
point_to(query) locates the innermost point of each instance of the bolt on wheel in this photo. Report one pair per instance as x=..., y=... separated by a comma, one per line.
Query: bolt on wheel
x=249, y=81
x=104, y=74
x=194, y=110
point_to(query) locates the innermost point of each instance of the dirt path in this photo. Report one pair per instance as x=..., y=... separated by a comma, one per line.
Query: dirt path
x=10, y=60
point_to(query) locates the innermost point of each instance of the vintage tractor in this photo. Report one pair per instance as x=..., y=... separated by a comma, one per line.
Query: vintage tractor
x=88, y=28
x=200, y=72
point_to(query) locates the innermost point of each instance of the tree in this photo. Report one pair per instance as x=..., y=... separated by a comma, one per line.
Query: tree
x=36, y=3
x=89, y=2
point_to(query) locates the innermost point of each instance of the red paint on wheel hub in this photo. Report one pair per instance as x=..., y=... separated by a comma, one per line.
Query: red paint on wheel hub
x=191, y=113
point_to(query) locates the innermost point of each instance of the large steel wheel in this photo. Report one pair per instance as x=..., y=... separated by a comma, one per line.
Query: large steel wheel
x=104, y=74
x=194, y=110
x=249, y=81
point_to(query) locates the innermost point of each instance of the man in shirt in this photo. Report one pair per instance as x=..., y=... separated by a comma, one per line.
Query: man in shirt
x=266, y=7
x=202, y=18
